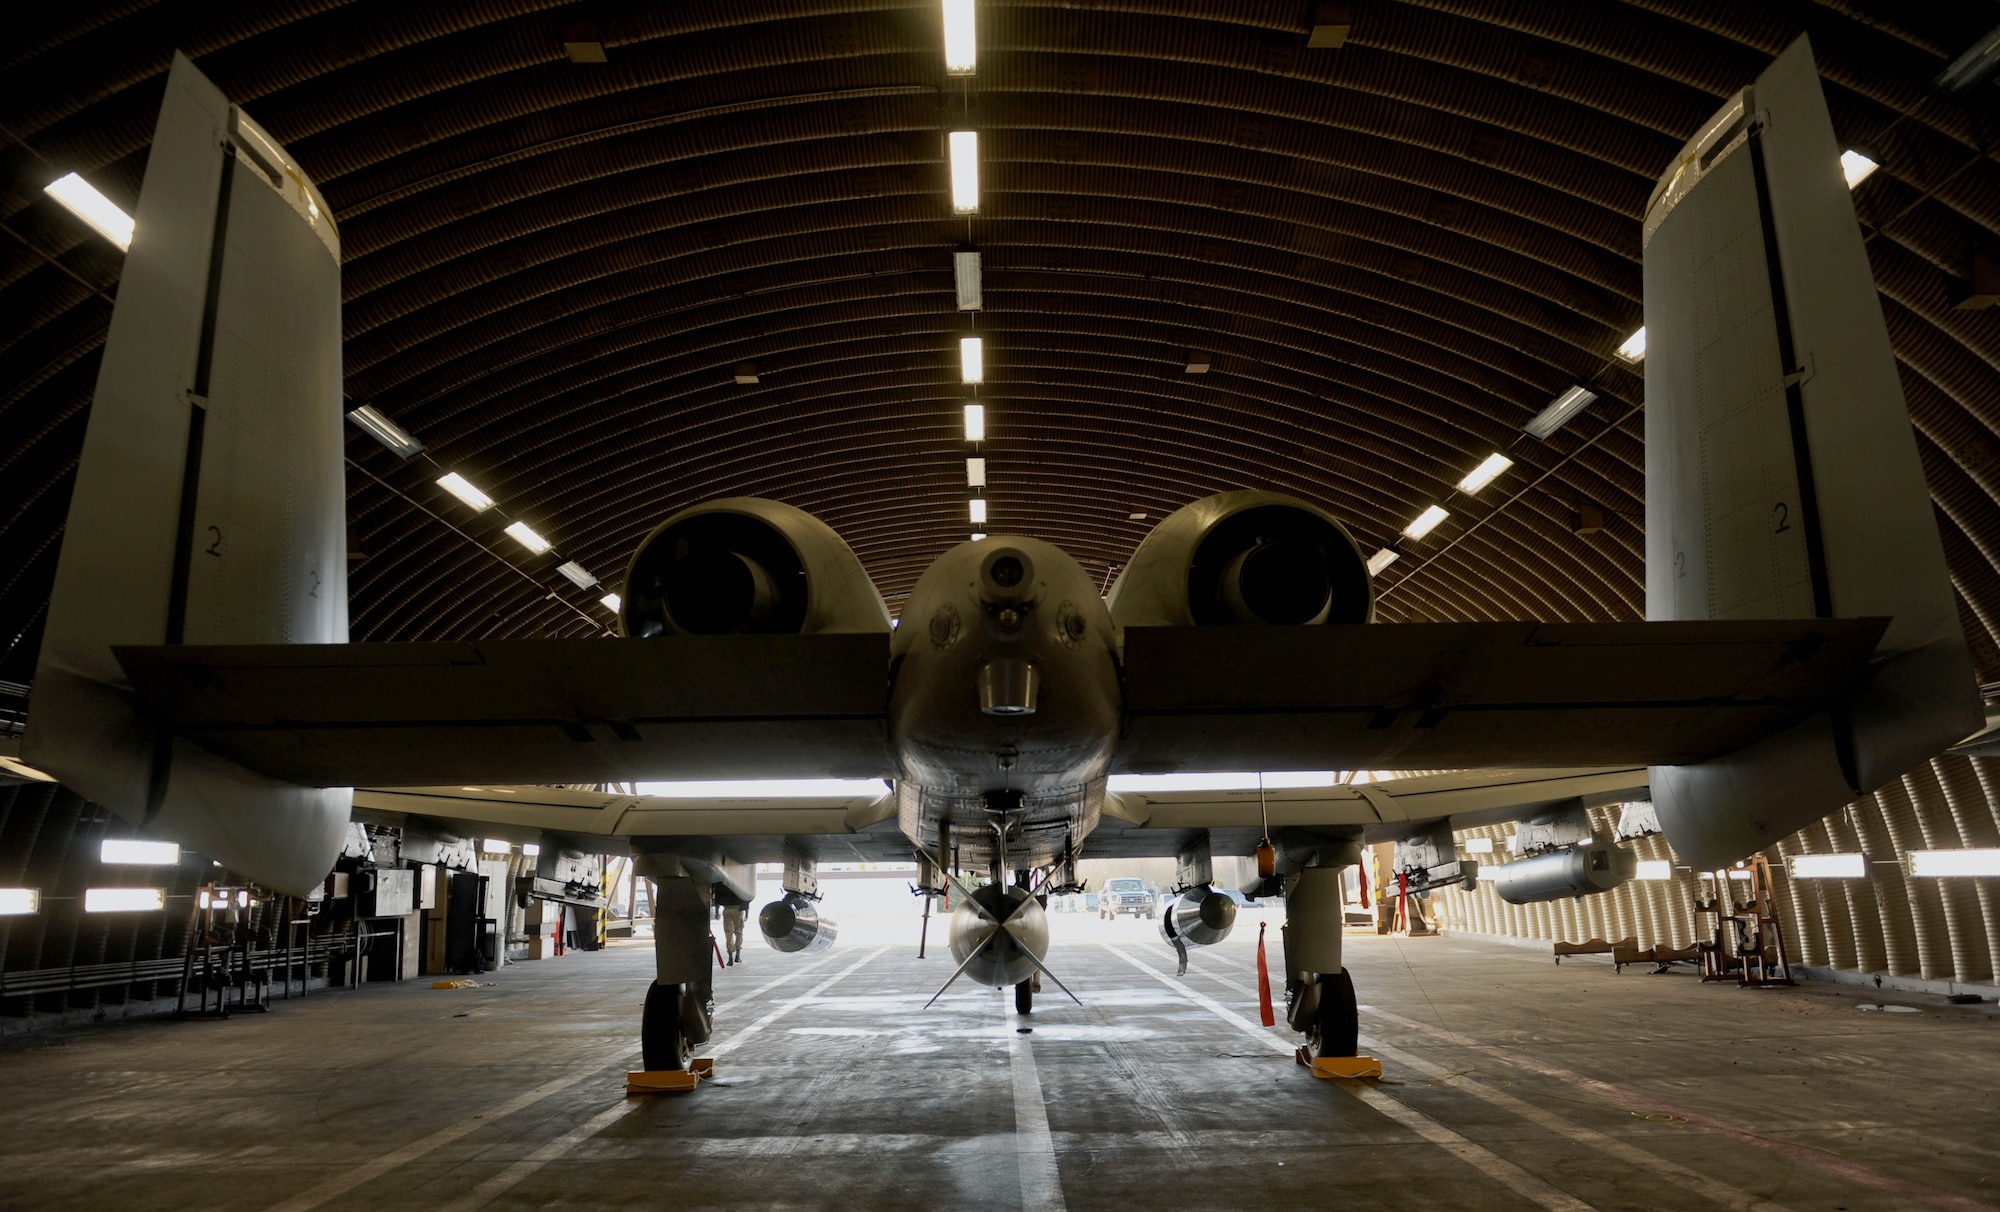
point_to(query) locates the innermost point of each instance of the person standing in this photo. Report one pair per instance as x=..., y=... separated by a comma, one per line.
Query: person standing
x=732, y=931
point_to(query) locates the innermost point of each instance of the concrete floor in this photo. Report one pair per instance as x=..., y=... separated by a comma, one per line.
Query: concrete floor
x=1511, y=1084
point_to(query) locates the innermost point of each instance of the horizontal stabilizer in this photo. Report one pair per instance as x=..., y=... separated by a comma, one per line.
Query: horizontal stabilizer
x=1436, y=696
x=529, y=711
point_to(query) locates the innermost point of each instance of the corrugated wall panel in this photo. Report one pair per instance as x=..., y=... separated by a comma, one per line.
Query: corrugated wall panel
x=1935, y=929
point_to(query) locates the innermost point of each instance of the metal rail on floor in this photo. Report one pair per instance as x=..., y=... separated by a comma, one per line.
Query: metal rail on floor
x=289, y=961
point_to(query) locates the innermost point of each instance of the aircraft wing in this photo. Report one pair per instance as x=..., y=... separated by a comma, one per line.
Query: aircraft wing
x=840, y=826
x=1454, y=696
x=529, y=711
x=1157, y=821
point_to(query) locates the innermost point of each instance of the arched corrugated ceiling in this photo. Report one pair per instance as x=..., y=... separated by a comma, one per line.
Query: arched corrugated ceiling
x=1395, y=252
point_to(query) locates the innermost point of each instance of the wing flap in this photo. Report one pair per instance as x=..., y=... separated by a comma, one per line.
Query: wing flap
x=1456, y=695
x=616, y=814
x=1156, y=824
x=529, y=711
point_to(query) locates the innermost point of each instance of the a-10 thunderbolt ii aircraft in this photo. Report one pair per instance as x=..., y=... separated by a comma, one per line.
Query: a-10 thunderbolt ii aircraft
x=1803, y=648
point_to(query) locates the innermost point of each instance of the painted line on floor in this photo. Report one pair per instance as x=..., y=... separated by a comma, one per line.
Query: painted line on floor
x=620, y=1059
x=1484, y=1161
x=349, y=1179
x=773, y=983
x=1632, y=1155
x=1819, y=1159
x=1034, y=1146
x=736, y=1041
x=506, y=1179
x=521, y=1170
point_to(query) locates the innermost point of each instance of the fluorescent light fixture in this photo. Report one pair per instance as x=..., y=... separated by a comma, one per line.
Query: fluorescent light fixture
x=1224, y=780
x=383, y=430
x=975, y=473
x=242, y=898
x=612, y=602
x=123, y=900
x=766, y=789
x=978, y=535
x=746, y=373
x=1484, y=474
x=81, y=198
x=496, y=845
x=1947, y=863
x=16, y=901
x=975, y=422
x=971, y=359
x=460, y=487
x=1634, y=347
x=1828, y=866
x=1479, y=845
x=1856, y=167
x=1382, y=559
x=1655, y=869
x=961, y=44
x=965, y=271
x=1559, y=412
x=140, y=854
x=530, y=849
x=525, y=535
x=964, y=172
x=978, y=509
x=1974, y=67
x=578, y=575
x=1426, y=522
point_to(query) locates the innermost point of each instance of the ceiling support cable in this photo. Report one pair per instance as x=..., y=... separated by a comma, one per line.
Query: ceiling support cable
x=512, y=567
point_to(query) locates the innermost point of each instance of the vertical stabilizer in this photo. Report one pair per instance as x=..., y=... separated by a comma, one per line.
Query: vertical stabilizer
x=210, y=503
x=1782, y=477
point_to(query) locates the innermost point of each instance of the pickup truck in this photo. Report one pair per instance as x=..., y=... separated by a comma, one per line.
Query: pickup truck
x=1124, y=895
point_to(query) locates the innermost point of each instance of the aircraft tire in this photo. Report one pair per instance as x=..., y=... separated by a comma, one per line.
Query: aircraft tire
x=662, y=1046
x=1337, y=1022
x=1024, y=997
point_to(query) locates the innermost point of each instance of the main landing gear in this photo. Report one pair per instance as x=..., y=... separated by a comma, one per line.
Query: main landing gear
x=1319, y=994
x=663, y=1045
x=680, y=1003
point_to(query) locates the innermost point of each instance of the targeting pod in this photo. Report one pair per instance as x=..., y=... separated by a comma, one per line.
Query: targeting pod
x=1199, y=917
x=794, y=925
x=1572, y=871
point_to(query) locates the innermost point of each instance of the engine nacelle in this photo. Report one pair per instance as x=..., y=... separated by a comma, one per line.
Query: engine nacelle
x=1199, y=917
x=1245, y=557
x=1572, y=871
x=793, y=925
x=1006, y=960
x=746, y=565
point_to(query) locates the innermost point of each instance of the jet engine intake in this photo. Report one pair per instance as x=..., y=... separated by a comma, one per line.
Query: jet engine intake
x=793, y=924
x=1245, y=558
x=1199, y=917
x=744, y=565
x=1571, y=871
